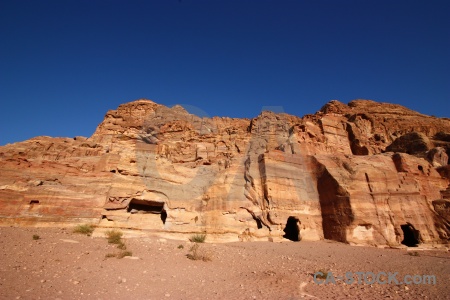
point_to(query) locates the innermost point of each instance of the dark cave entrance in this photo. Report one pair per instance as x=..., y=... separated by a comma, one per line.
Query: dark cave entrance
x=411, y=236
x=420, y=168
x=258, y=223
x=137, y=206
x=292, y=229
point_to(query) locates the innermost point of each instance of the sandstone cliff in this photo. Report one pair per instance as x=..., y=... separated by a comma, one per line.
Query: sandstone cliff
x=362, y=173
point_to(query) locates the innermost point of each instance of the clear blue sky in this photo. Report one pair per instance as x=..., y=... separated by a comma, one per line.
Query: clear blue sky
x=64, y=63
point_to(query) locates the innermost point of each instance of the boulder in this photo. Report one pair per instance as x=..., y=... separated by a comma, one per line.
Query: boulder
x=411, y=143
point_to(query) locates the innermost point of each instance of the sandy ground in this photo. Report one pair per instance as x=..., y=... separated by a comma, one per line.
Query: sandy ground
x=65, y=265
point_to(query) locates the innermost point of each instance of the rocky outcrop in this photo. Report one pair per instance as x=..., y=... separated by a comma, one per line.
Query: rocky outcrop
x=361, y=173
x=411, y=143
x=368, y=199
x=437, y=157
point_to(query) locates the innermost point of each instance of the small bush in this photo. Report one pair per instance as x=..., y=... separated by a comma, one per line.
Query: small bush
x=36, y=237
x=121, y=245
x=197, y=253
x=323, y=276
x=198, y=238
x=124, y=253
x=180, y=246
x=109, y=255
x=86, y=229
x=414, y=253
x=114, y=237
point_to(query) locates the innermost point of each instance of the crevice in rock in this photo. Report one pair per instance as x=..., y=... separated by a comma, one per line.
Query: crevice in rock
x=335, y=206
x=263, y=176
x=258, y=222
x=163, y=216
x=368, y=182
x=258, y=219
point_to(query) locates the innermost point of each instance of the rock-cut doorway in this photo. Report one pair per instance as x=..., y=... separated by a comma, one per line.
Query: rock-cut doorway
x=292, y=229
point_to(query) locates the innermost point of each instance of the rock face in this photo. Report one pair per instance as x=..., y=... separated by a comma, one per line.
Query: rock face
x=362, y=173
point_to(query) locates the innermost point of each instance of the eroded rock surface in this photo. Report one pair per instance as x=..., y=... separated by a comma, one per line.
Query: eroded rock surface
x=354, y=173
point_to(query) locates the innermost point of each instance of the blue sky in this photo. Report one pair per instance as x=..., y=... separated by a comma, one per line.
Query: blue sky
x=63, y=64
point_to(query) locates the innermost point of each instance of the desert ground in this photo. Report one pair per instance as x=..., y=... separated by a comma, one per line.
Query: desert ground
x=61, y=264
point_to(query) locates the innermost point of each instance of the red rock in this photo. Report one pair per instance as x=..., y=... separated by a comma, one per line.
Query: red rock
x=162, y=169
x=437, y=157
x=411, y=143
